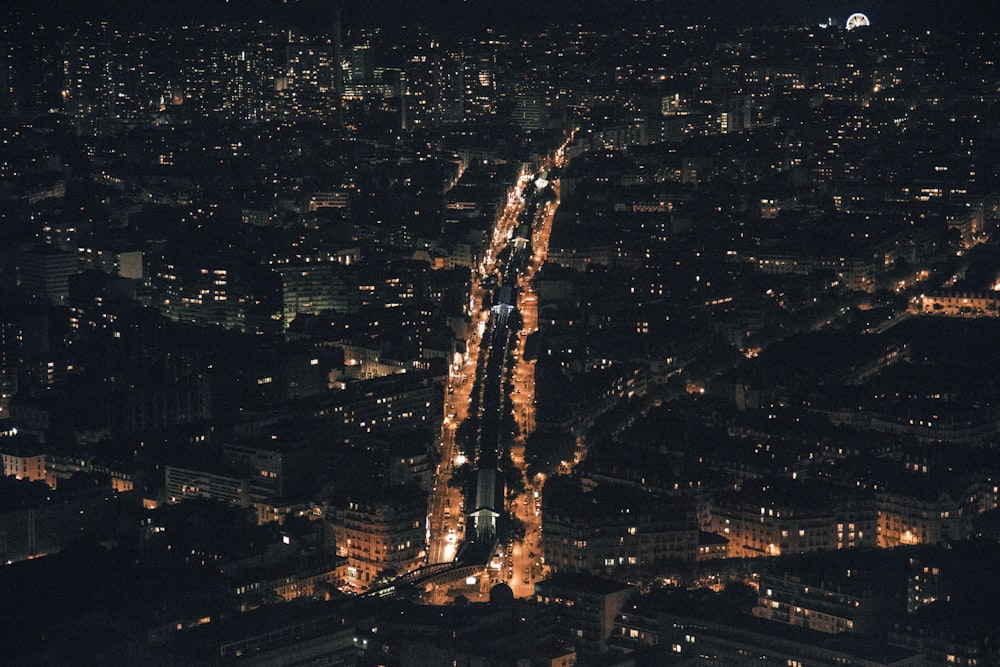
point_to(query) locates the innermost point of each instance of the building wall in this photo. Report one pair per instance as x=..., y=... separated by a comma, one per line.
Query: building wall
x=757, y=531
x=903, y=520
x=794, y=602
x=24, y=466
x=584, y=613
x=379, y=538
x=47, y=274
x=961, y=304
x=184, y=483
x=613, y=528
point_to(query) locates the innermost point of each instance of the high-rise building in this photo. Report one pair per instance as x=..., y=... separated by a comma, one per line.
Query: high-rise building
x=312, y=76
x=530, y=112
x=361, y=62
x=87, y=87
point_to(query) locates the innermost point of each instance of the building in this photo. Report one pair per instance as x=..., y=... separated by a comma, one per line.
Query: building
x=712, y=546
x=961, y=304
x=36, y=520
x=584, y=606
x=184, y=483
x=926, y=584
x=612, y=528
x=201, y=294
x=312, y=77
x=316, y=288
x=906, y=520
x=87, y=83
x=22, y=461
x=113, y=259
x=277, y=467
x=531, y=111
x=797, y=518
x=299, y=633
x=391, y=404
x=790, y=600
x=410, y=462
x=750, y=642
x=381, y=535
x=45, y=272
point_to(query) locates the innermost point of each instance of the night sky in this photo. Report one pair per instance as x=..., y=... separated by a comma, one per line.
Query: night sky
x=515, y=15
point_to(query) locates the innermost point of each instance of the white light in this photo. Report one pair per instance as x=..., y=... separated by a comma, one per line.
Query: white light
x=857, y=20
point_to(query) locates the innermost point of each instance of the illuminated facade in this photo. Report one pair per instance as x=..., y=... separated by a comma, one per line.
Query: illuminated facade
x=961, y=304
x=382, y=535
x=905, y=520
x=755, y=530
x=24, y=465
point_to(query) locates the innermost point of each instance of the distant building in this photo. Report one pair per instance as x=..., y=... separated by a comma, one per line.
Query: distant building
x=114, y=260
x=202, y=294
x=22, y=462
x=961, y=304
x=46, y=273
x=530, y=112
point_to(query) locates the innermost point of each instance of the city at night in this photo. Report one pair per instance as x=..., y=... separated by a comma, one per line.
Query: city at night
x=474, y=333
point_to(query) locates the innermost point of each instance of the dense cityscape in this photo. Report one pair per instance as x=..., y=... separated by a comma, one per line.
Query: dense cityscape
x=499, y=334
